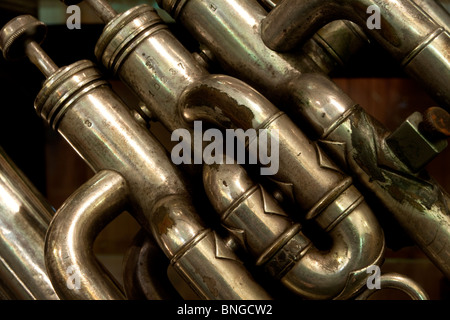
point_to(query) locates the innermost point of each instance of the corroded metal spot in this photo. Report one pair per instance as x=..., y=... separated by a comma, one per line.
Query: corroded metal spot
x=436, y=123
x=165, y=224
x=211, y=285
x=285, y=258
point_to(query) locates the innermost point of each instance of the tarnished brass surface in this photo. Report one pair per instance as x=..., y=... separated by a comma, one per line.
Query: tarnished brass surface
x=24, y=219
x=416, y=41
x=301, y=220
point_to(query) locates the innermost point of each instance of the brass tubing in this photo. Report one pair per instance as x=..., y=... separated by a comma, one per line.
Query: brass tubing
x=227, y=102
x=155, y=63
x=161, y=72
x=399, y=282
x=337, y=53
x=265, y=231
x=104, y=10
x=81, y=106
x=145, y=271
x=281, y=87
x=418, y=43
x=105, y=133
x=232, y=32
x=70, y=260
x=435, y=11
x=24, y=219
x=315, y=184
x=358, y=143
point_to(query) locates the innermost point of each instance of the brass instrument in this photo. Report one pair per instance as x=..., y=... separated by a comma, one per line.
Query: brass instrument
x=301, y=220
x=24, y=219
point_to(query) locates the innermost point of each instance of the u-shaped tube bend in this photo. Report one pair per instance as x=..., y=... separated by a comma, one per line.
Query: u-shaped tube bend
x=69, y=256
x=357, y=142
x=357, y=244
x=316, y=185
x=279, y=245
x=418, y=43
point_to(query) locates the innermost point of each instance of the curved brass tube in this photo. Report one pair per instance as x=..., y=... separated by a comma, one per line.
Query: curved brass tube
x=77, y=103
x=80, y=105
x=238, y=27
x=145, y=272
x=24, y=219
x=209, y=27
x=305, y=174
x=400, y=282
x=410, y=36
x=358, y=143
x=171, y=74
x=265, y=231
x=328, y=37
x=221, y=100
x=102, y=129
x=69, y=252
x=357, y=239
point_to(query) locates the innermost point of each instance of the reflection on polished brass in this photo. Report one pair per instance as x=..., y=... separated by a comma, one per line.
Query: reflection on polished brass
x=323, y=174
x=262, y=227
x=232, y=33
x=413, y=198
x=435, y=11
x=24, y=219
x=69, y=243
x=316, y=100
x=153, y=63
x=166, y=77
x=306, y=174
x=416, y=41
x=333, y=46
x=80, y=105
x=400, y=282
x=178, y=91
